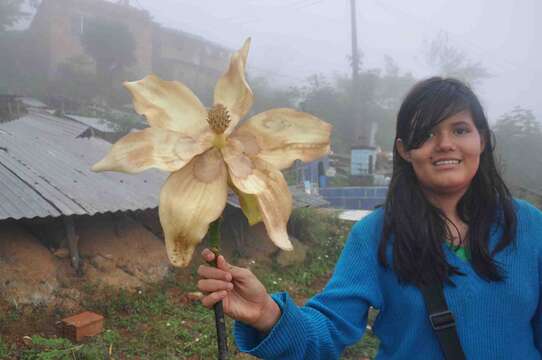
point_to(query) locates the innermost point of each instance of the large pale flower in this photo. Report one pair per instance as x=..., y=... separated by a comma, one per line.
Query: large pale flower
x=206, y=154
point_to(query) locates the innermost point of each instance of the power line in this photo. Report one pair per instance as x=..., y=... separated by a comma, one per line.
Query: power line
x=303, y=3
x=274, y=73
x=472, y=45
x=310, y=4
x=300, y=3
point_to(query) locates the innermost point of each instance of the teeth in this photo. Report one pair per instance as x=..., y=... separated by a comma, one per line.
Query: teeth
x=447, y=162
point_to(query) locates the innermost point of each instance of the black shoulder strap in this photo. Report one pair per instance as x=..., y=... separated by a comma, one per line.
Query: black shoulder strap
x=442, y=321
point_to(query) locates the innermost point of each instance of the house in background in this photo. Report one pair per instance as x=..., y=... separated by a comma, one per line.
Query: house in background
x=363, y=160
x=196, y=62
x=55, y=212
x=58, y=25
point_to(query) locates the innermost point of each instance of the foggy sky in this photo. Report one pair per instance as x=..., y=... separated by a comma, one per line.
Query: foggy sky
x=296, y=38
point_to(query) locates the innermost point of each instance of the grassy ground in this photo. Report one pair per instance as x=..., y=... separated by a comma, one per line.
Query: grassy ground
x=163, y=322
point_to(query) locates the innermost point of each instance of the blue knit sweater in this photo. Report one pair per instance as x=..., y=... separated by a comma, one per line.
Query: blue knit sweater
x=494, y=320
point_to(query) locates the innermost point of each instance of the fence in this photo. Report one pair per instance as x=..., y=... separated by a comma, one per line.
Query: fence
x=355, y=197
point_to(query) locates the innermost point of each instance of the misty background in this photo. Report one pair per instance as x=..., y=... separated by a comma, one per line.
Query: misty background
x=301, y=57
x=293, y=39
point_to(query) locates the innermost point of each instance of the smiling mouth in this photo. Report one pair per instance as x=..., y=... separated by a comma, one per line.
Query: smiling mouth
x=446, y=162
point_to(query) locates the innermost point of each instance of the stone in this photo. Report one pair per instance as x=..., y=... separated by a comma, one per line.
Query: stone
x=102, y=263
x=62, y=253
x=135, y=251
x=296, y=256
x=69, y=293
x=116, y=278
x=258, y=246
x=28, y=269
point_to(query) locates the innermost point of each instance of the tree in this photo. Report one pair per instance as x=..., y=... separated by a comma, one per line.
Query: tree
x=21, y=69
x=75, y=79
x=112, y=46
x=390, y=90
x=381, y=95
x=10, y=13
x=451, y=62
x=268, y=97
x=519, y=145
x=330, y=102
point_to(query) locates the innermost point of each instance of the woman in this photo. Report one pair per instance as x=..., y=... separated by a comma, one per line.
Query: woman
x=448, y=219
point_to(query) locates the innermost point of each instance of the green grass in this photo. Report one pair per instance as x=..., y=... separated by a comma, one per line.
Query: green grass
x=4, y=351
x=159, y=323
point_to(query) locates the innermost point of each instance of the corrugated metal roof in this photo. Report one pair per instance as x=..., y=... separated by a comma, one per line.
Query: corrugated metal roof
x=45, y=171
x=95, y=123
x=31, y=102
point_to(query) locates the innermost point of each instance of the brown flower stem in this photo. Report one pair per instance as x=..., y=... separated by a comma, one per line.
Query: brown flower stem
x=220, y=323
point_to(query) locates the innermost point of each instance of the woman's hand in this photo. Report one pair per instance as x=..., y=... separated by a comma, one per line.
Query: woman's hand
x=244, y=297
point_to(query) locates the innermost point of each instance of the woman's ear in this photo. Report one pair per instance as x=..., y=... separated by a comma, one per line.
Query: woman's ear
x=483, y=140
x=405, y=154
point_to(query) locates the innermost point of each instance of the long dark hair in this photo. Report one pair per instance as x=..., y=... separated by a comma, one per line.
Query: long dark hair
x=419, y=229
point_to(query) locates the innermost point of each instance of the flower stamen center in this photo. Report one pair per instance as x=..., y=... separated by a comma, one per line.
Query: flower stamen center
x=218, y=118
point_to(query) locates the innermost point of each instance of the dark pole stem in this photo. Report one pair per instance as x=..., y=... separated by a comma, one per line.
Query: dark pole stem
x=214, y=237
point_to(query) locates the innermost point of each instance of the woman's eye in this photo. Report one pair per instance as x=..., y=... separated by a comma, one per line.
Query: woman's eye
x=461, y=131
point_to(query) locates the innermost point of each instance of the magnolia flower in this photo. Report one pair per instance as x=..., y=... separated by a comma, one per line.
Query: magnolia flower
x=207, y=153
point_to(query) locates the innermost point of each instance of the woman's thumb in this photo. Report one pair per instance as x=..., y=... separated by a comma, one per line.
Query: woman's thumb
x=222, y=264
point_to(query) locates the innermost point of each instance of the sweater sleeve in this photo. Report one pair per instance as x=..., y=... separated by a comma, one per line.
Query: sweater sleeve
x=535, y=229
x=334, y=318
x=537, y=325
x=530, y=225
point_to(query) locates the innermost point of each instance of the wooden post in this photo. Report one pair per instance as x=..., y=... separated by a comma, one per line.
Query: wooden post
x=73, y=244
x=119, y=224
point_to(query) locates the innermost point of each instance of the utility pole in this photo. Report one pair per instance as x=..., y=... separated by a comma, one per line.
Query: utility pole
x=361, y=151
x=355, y=53
x=362, y=127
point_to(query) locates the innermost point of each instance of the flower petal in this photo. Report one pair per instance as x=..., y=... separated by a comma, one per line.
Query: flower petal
x=241, y=168
x=249, y=206
x=262, y=190
x=190, y=200
x=153, y=147
x=275, y=204
x=281, y=136
x=168, y=105
x=232, y=89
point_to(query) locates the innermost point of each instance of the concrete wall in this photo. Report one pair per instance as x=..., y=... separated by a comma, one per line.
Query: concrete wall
x=58, y=25
x=187, y=58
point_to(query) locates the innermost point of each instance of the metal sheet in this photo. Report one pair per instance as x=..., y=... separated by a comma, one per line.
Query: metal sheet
x=96, y=123
x=45, y=171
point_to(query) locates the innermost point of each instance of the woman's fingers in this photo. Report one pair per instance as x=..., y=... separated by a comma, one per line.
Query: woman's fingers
x=211, y=299
x=224, y=271
x=209, y=272
x=208, y=255
x=211, y=285
x=240, y=274
x=221, y=263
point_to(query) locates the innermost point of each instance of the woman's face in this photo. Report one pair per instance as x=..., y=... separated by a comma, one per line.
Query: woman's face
x=448, y=160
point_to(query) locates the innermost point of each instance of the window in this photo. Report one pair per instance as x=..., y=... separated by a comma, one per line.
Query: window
x=78, y=25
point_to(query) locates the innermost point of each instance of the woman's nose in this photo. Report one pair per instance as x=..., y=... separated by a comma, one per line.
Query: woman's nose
x=445, y=142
